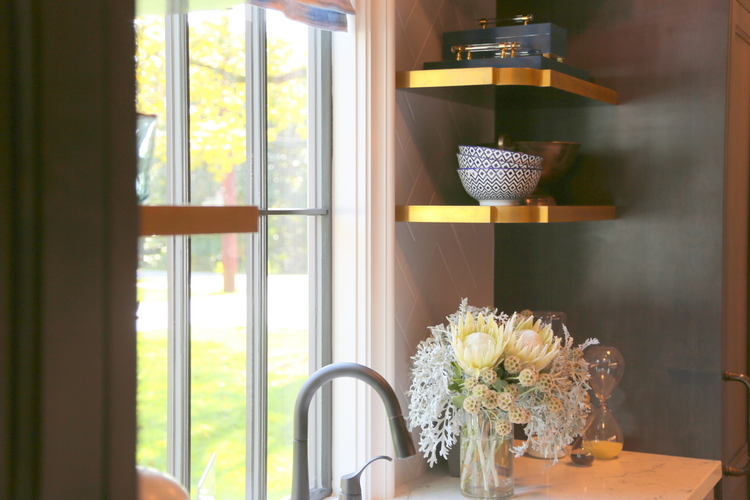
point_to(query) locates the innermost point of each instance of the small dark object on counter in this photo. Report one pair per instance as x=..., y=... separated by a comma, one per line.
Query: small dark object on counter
x=578, y=453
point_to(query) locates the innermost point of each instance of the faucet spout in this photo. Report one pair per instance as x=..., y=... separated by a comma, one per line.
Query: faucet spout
x=402, y=442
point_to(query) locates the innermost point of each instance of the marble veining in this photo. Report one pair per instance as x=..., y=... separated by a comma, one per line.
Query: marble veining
x=630, y=476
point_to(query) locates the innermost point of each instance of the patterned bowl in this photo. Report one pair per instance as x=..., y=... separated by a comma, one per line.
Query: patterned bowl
x=499, y=186
x=468, y=161
x=525, y=159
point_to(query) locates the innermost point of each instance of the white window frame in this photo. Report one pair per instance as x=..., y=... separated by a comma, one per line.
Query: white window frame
x=319, y=152
x=319, y=229
x=364, y=236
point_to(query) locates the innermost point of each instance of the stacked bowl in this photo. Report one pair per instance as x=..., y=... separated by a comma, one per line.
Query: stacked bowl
x=496, y=176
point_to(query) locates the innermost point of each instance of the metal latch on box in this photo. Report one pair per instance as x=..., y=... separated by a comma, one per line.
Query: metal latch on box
x=501, y=50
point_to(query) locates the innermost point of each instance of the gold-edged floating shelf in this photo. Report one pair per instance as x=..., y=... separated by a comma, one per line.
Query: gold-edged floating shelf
x=506, y=214
x=173, y=220
x=528, y=77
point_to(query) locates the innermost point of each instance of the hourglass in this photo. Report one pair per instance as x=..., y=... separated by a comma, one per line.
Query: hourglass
x=606, y=367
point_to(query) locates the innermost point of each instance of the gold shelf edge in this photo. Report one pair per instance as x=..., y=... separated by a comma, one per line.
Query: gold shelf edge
x=456, y=77
x=502, y=215
x=530, y=77
x=580, y=87
x=581, y=213
x=443, y=213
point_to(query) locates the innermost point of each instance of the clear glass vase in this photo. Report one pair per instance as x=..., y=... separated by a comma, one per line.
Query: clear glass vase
x=486, y=460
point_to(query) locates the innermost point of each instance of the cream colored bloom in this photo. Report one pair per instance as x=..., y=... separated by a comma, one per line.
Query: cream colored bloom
x=489, y=377
x=503, y=427
x=531, y=342
x=528, y=376
x=479, y=390
x=478, y=344
x=472, y=404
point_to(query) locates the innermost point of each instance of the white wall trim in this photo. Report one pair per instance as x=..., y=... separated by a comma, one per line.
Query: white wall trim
x=363, y=236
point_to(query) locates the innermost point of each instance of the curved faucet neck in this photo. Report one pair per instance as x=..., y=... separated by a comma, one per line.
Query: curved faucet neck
x=404, y=446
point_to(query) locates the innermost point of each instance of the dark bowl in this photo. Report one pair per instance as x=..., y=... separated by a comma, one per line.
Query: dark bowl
x=557, y=157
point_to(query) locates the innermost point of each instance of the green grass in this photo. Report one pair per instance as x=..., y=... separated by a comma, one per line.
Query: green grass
x=218, y=383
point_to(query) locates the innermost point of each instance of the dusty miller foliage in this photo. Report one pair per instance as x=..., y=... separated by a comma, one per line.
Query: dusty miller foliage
x=431, y=401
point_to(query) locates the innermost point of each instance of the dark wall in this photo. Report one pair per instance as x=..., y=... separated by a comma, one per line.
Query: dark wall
x=649, y=282
x=68, y=254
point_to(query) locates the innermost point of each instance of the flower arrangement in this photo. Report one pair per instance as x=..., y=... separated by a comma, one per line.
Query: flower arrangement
x=509, y=370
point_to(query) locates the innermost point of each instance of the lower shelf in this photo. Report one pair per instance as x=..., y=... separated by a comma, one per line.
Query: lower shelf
x=481, y=214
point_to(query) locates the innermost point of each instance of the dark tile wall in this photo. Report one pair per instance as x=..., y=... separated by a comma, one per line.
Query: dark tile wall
x=649, y=282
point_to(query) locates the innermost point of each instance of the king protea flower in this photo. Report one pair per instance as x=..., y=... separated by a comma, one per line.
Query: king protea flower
x=478, y=344
x=531, y=342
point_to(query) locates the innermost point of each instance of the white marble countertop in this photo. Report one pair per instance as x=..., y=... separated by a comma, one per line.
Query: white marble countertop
x=630, y=476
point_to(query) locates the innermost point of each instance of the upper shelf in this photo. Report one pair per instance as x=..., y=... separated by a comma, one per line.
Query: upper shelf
x=503, y=214
x=526, y=77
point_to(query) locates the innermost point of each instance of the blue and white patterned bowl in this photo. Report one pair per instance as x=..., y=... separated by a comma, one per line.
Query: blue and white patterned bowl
x=468, y=161
x=501, y=155
x=499, y=186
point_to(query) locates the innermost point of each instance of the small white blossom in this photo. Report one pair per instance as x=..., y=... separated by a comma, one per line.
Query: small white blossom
x=505, y=400
x=527, y=377
x=479, y=390
x=503, y=427
x=472, y=404
x=488, y=377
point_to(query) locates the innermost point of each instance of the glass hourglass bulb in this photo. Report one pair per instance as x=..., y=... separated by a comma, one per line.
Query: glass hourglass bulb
x=581, y=452
x=606, y=367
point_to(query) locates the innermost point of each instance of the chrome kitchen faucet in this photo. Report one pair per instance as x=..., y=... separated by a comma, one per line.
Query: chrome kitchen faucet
x=402, y=442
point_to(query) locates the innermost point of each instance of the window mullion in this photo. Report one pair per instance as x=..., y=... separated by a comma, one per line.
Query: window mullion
x=178, y=175
x=257, y=345
x=319, y=266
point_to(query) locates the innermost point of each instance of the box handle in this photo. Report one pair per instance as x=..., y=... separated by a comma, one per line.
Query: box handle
x=517, y=19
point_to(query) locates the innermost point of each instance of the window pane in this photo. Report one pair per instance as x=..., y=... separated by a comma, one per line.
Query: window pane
x=286, y=43
x=152, y=353
x=288, y=339
x=151, y=100
x=218, y=326
x=217, y=107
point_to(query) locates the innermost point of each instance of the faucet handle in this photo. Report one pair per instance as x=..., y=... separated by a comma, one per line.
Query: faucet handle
x=350, y=487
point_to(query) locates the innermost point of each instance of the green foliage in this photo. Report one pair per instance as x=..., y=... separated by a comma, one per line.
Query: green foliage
x=458, y=401
x=218, y=126
x=218, y=413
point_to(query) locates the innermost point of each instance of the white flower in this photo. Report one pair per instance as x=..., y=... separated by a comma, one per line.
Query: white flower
x=531, y=342
x=478, y=344
x=551, y=411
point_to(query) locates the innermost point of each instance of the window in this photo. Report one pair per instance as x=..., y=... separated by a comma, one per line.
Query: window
x=230, y=325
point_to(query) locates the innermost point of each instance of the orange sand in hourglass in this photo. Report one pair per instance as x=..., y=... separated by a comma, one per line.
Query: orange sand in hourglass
x=603, y=449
